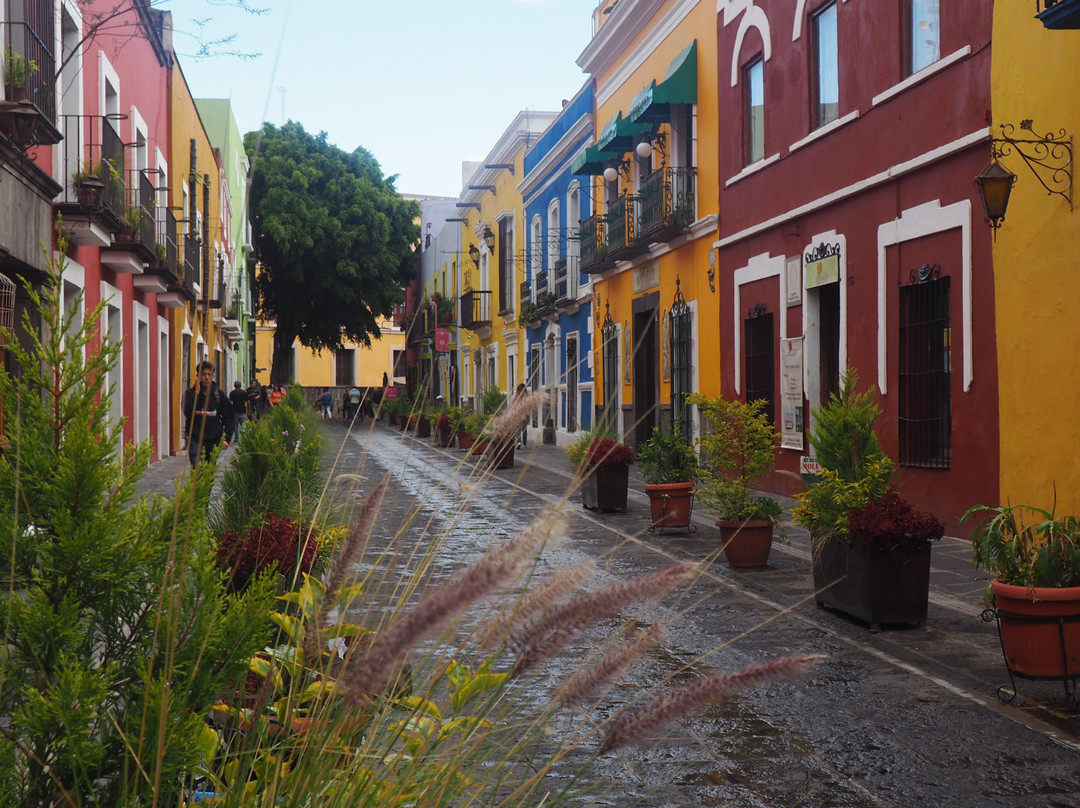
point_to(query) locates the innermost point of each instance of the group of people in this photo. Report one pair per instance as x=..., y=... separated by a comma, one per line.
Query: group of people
x=212, y=418
x=351, y=406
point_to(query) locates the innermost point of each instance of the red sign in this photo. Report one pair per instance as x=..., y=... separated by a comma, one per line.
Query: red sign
x=442, y=339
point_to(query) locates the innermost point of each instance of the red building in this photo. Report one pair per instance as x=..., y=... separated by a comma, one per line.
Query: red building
x=851, y=233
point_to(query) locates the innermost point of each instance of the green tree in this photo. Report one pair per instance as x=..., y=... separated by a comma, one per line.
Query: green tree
x=334, y=239
x=118, y=633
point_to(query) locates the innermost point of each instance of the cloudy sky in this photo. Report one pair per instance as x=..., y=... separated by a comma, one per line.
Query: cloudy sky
x=422, y=84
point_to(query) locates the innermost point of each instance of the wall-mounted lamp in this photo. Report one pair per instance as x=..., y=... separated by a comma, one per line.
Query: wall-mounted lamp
x=474, y=254
x=1049, y=157
x=645, y=147
x=611, y=173
x=19, y=122
x=489, y=239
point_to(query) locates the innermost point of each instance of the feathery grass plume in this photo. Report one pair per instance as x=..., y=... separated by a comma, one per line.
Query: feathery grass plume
x=541, y=638
x=586, y=681
x=504, y=425
x=532, y=602
x=633, y=726
x=500, y=566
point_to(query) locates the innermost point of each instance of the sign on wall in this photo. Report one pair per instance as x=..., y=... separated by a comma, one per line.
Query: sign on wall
x=821, y=265
x=791, y=393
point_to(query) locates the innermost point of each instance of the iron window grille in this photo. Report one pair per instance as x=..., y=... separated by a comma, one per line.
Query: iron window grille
x=759, y=358
x=924, y=414
x=680, y=317
x=610, y=342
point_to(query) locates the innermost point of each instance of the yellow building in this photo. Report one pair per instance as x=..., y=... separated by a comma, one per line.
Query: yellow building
x=357, y=364
x=194, y=183
x=651, y=249
x=1036, y=255
x=490, y=341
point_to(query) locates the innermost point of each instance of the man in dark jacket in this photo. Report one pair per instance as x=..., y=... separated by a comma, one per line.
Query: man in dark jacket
x=208, y=415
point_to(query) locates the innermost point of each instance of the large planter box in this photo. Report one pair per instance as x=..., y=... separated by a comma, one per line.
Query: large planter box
x=604, y=489
x=880, y=583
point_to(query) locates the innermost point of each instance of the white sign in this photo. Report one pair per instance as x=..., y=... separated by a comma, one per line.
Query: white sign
x=791, y=393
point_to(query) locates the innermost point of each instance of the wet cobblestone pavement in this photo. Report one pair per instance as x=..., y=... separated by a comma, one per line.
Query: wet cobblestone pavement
x=905, y=717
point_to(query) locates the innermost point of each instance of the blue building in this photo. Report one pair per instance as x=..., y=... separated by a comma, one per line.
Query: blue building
x=556, y=298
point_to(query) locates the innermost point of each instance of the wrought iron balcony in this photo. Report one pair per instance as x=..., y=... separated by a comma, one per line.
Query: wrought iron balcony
x=138, y=230
x=164, y=260
x=476, y=309
x=28, y=111
x=96, y=186
x=525, y=292
x=667, y=204
x=1059, y=14
x=622, y=239
x=594, y=245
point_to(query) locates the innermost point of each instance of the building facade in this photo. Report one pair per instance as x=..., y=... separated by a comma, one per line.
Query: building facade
x=850, y=230
x=556, y=298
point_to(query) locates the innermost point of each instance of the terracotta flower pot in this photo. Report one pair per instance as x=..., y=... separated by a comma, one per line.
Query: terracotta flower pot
x=746, y=544
x=1040, y=630
x=671, y=504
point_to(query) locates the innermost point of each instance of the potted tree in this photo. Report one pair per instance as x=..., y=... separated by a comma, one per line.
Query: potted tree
x=669, y=466
x=1034, y=557
x=603, y=463
x=870, y=549
x=737, y=448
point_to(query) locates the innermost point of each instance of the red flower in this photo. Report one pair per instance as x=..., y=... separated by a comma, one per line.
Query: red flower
x=891, y=518
x=607, y=453
x=275, y=543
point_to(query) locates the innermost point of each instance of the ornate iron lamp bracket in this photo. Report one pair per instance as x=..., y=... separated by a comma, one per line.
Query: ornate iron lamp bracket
x=1049, y=157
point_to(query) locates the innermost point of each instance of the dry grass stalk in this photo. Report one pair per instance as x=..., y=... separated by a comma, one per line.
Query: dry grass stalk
x=504, y=426
x=541, y=638
x=584, y=683
x=633, y=727
x=499, y=567
x=533, y=602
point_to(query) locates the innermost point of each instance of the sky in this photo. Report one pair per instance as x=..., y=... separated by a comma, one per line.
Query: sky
x=422, y=84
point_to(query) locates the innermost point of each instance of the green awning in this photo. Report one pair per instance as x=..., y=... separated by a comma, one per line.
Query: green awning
x=592, y=161
x=620, y=134
x=679, y=86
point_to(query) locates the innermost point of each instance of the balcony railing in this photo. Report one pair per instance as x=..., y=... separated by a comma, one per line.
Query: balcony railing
x=525, y=295
x=138, y=231
x=164, y=260
x=192, y=263
x=562, y=286
x=94, y=180
x=593, y=245
x=667, y=204
x=29, y=61
x=400, y=318
x=622, y=217
x=476, y=309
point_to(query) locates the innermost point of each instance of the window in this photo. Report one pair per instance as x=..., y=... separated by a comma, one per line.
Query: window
x=826, y=67
x=506, y=266
x=754, y=109
x=758, y=356
x=924, y=34
x=344, y=362
x=680, y=319
x=610, y=352
x=924, y=414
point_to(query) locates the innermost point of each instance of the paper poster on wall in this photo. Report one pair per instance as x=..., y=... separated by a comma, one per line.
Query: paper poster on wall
x=791, y=393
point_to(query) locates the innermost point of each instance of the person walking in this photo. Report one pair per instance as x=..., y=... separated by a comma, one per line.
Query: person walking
x=326, y=404
x=254, y=405
x=209, y=416
x=277, y=392
x=239, y=400
x=352, y=403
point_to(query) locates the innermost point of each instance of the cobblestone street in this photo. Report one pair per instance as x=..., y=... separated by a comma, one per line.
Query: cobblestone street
x=903, y=717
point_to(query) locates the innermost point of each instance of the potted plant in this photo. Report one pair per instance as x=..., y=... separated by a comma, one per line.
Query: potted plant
x=500, y=447
x=1034, y=557
x=88, y=184
x=17, y=71
x=669, y=466
x=603, y=463
x=737, y=448
x=870, y=549
x=530, y=315
x=440, y=423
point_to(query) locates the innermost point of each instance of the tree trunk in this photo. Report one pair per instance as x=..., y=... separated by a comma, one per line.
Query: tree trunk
x=281, y=361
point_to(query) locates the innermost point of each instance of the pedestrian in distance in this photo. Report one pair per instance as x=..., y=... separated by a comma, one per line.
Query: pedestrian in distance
x=326, y=404
x=255, y=396
x=352, y=403
x=239, y=400
x=208, y=414
x=277, y=392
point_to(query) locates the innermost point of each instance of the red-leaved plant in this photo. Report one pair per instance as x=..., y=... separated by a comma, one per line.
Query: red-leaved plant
x=277, y=542
x=891, y=518
x=607, y=453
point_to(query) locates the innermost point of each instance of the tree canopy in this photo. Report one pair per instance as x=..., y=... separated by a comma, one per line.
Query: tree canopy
x=334, y=239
